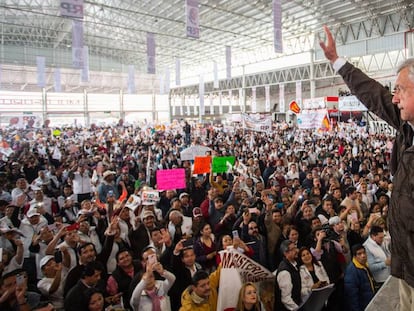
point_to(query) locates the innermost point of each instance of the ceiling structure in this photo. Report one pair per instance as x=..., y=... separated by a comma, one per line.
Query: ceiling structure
x=115, y=32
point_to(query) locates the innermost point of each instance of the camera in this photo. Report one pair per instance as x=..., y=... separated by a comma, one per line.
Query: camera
x=330, y=234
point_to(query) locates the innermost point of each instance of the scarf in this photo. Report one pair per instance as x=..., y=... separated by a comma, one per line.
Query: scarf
x=197, y=299
x=155, y=299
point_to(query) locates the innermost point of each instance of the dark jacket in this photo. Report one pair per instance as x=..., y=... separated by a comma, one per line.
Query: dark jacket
x=401, y=213
x=359, y=286
x=296, y=285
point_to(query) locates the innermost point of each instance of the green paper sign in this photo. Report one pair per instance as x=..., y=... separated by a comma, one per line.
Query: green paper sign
x=221, y=164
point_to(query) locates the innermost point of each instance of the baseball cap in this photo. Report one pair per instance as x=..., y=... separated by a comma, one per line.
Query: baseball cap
x=334, y=220
x=146, y=214
x=108, y=173
x=32, y=212
x=183, y=195
x=45, y=260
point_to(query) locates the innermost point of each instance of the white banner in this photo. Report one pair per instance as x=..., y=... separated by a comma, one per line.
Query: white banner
x=150, y=53
x=314, y=103
x=267, y=98
x=255, y=124
x=131, y=79
x=381, y=127
x=230, y=102
x=311, y=119
x=161, y=78
x=228, y=62
x=351, y=103
x=282, y=98
x=85, y=67
x=254, y=104
x=299, y=92
x=150, y=197
x=210, y=97
x=215, y=74
x=77, y=44
x=41, y=66
x=177, y=72
x=192, y=19
x=220, y=103
x=201, y=95
x=237, y=269
x=71, y=8
x=57, y=81
x=167, y=81
x=241, y=100
x=277, y=25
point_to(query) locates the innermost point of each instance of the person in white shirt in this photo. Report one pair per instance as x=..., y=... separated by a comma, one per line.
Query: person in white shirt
x=379, y=260
x=81, y=182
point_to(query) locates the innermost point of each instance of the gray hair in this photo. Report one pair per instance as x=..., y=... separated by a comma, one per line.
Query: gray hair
x=284, y=247
x=408, y=63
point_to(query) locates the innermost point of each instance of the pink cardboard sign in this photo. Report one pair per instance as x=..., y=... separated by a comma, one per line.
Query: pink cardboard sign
x=171, y=179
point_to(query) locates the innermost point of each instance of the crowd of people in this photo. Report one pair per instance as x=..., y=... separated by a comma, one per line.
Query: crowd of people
x=77, y=234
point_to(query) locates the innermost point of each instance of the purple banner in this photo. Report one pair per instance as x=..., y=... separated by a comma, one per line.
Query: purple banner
x=150, y=53
x=277, y=25
x=192, y=19
x=228, y=62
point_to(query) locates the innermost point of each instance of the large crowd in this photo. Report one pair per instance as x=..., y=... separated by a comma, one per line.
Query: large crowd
x=76, y=233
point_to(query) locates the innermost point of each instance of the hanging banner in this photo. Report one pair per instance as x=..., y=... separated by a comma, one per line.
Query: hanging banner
x=131, y=79
x=351, y=103
x=312, y=119
x=299, y=92
x=220, y=102
x=170, y=179
x=282, y=98
x=150, y=53
x=161, y=78
x=167, y=81
x=241, y=100
x=228, y=62
x=0, y=76
x=192, y=25
x=230, y=102
x=201, y=95
x=85, y=67
x=77, y=44
x=41, y=66
x=195, y=105
x=277, y=25
x=220, y=164
x=57, y=81
x=267, y=98
x=254, y=104
x=71, y=8
x=177, y=72
x=215, y=74
x=256, y=124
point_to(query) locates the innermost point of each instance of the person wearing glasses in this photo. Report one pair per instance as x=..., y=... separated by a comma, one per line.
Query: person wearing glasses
x=397, y=109
x=288, y=282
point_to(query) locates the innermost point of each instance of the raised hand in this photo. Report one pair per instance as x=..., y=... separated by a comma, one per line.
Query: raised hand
x=329, y=47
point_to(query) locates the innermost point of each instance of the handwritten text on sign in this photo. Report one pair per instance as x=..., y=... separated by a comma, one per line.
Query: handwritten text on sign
x=171, y=179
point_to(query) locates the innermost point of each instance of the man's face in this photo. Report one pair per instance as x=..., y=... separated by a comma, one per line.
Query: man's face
x=88, y=254
x=404, y=95
x=379, y=238
x=156, y=237
x=253, y=229
x=361, y=256
x=292, y=252
x=202, y=289
x=93, y=279
x=149, y=221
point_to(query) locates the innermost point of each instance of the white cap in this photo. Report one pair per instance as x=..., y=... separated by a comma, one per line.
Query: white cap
x=32, y=212
x=334, y=220
x=45, y=260
x=183, y=195
x=107, y=173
